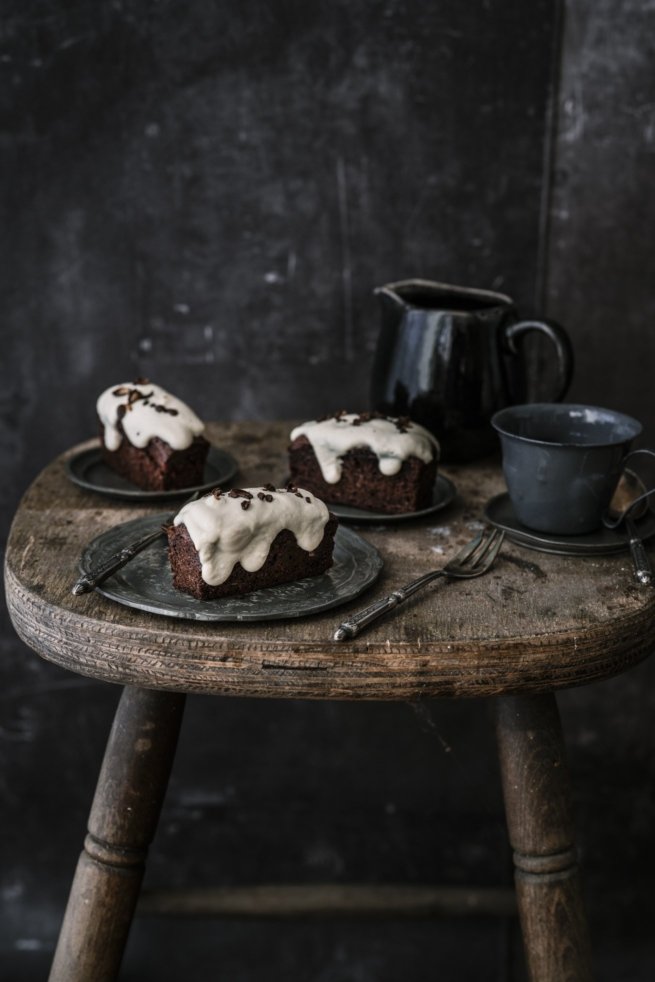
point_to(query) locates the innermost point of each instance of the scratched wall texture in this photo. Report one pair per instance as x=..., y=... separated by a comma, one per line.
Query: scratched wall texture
x=207, y=194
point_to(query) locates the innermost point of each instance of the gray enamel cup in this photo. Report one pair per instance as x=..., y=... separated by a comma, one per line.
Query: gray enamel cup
x=562, y=463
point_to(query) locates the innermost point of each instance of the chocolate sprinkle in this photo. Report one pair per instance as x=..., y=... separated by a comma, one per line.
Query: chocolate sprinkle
x=338, y=415
x=402, y=424
x=134, y=395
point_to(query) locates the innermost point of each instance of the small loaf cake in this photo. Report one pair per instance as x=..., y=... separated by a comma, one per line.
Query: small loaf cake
x=150, y=437
x=233, y=542
x=366, y=460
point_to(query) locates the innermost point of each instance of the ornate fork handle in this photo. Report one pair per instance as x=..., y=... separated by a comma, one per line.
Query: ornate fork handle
x=643, y=568
x=88, y=581
x=351, y=628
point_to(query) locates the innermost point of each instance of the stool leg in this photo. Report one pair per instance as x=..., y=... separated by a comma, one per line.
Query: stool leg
x=539, y=821
x=123, y=819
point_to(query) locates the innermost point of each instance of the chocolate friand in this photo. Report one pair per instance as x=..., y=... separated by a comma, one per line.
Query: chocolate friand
x=150, y=437
x=366, y=460
x=237, y=541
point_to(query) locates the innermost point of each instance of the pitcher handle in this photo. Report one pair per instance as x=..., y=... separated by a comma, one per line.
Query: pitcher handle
x=563, y=348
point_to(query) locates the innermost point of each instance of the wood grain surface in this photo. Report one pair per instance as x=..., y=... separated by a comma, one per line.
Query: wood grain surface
x=122, y=823
x=541, y=830
x=537, y=622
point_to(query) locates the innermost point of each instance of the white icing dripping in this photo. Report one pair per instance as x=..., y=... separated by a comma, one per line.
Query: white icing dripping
x=224, y=533
x=142, y=421
x=334, y=437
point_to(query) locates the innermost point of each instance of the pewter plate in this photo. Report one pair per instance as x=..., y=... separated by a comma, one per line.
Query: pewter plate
x=499, y=512
x=88, y=470
x=443, y=493
x=147, y=584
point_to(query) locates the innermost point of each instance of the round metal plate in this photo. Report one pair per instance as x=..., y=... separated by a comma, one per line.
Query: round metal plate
x=499, y=512
x=88, y=470
x=146, y=581
x=443, y=493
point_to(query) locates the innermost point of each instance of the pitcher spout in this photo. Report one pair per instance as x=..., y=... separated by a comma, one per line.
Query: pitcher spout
x=391, y=301
x=431, y=295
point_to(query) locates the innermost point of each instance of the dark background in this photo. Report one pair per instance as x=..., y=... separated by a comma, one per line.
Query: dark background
x=207, y=194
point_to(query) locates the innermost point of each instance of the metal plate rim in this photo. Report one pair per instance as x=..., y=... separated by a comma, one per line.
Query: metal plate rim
x=223, y=462
x=365, y=571
x=443, y=487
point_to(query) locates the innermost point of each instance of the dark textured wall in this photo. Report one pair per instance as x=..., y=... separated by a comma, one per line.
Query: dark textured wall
x=601, y=265
x=206, y=194
x=600, y=279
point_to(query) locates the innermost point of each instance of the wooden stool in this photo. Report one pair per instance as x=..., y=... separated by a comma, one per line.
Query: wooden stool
x=535, y=624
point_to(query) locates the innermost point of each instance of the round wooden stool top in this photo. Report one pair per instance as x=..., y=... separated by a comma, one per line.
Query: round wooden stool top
x=535, y=623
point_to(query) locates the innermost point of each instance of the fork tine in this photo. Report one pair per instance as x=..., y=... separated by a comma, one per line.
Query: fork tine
x=487, y=555
x=478, y=554
x=476, y=559
x=467, y=551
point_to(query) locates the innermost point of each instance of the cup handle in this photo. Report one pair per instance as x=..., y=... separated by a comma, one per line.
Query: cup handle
x=563, y=348
x=646, y=452
x=633, y=508
x=642, y=565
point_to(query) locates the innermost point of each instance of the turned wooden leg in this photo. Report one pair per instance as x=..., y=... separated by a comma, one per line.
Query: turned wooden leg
x=540, y=825
x=123, y=818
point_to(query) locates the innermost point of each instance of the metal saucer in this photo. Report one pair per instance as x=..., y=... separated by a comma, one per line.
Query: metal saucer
x=500, y=512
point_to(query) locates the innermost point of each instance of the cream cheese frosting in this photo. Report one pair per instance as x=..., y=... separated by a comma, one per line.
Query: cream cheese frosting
x=391, y=440
x=145, y=411
x=239, y=526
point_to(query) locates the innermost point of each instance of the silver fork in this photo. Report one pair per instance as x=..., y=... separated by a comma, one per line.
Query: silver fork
x=89, y=581
x=474, y=559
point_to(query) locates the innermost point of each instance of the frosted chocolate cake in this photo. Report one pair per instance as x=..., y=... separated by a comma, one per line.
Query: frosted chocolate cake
x=233, y=542
x=150, y=437
x=366, y=460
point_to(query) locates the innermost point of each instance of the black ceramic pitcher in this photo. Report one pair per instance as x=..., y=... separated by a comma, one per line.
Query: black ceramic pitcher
x=448, y=357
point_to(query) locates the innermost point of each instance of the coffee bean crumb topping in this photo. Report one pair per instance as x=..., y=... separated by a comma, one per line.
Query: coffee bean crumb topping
x=135, y=395
x=402, y=424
